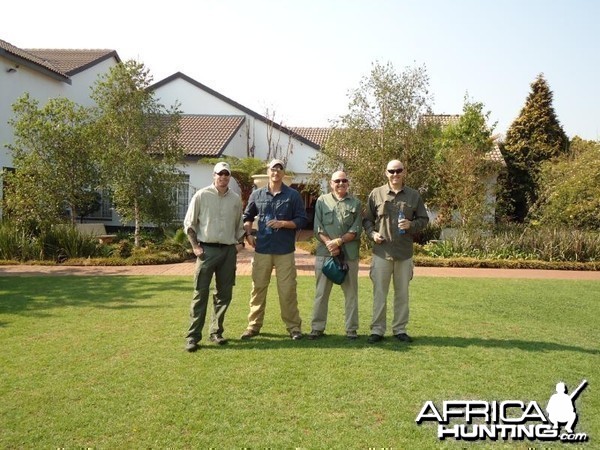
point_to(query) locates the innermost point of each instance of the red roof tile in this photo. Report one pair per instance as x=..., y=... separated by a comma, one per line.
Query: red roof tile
x=317, y=135
x=206, y=135
x=71, y=61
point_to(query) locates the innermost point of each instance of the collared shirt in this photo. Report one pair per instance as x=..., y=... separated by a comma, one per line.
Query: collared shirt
x=335, y=218
x=216, y=218
x=381, y=216
x=285, y=205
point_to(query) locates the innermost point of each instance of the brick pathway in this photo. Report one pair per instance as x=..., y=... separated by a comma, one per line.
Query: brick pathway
x=304, y=264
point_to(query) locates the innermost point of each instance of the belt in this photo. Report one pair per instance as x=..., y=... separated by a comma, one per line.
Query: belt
x=213, y=244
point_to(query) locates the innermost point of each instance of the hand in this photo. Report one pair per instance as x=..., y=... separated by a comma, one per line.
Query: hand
x=251, y=240
x=275, y=224
x=378, y=238
x=331, y=245
x=239, y=247
x=198, y=251
x=404, y=224
x=335, y=252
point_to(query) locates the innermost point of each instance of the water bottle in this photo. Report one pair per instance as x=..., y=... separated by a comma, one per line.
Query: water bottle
x=400, y=217
x=268, y=229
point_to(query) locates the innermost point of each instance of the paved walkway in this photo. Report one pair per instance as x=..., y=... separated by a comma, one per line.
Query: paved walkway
x=304, y=264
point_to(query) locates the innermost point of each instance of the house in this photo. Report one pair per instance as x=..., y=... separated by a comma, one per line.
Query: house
x=45, y=74
x=212, y=125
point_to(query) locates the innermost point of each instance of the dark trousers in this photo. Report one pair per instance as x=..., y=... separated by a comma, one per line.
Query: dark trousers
x=220, y=262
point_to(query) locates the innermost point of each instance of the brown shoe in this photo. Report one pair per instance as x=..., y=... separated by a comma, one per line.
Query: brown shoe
x=249, y=334
x=191, y=345
x=218, y=339
x=296, y=335
x=315, y=334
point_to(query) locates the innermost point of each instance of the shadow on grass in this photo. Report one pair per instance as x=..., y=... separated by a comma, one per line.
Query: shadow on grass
x=268, y=341
x=35, y=296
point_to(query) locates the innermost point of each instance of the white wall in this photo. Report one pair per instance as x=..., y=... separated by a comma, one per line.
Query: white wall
x=194, y=100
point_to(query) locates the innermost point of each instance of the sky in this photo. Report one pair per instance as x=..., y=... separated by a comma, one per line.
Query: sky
x=300, y=59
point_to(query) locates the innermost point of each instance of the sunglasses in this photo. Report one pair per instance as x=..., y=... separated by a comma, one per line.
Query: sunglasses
x=223, y=173
x=342, y=180
x=395, y=171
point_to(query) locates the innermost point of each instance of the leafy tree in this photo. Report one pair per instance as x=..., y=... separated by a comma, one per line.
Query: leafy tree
x=139, y=143
x=55, y=164
x=569, y=192
x=242, y=170
x=381, y=125
x=534, y=137
x=463, y=168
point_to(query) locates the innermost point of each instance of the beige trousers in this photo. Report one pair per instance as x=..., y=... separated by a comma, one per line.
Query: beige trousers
x=285, y=272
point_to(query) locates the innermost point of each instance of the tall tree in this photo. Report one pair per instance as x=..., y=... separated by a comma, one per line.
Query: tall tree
x=569, y=193
x=381, y=125
x=535, y=136
x=55, y=162
x=463, y=169
x=140, y=146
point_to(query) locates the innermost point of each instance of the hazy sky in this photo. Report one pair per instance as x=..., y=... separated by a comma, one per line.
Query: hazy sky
x=300, y=58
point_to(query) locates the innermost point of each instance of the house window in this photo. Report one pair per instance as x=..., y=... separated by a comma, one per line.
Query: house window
x=105, y=210
x=181, y=196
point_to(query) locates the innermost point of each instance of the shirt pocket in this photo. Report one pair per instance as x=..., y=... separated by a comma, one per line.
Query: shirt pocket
x=327, y=217
x=348, y=216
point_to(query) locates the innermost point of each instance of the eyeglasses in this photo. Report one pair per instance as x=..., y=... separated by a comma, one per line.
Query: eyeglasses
x=276, y=169
x=341, y=180
x=395, y=171
x=223, y=173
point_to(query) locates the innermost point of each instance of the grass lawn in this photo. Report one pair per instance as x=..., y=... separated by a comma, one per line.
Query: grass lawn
x=99, y=362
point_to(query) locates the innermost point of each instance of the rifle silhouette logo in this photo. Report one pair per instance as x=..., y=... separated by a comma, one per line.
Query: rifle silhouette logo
x=561, y=406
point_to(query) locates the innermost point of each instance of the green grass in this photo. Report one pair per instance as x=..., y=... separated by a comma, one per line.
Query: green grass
x=99, y=362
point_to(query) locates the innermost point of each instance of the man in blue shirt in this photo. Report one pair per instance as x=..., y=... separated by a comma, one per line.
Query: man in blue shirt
x=280, y=212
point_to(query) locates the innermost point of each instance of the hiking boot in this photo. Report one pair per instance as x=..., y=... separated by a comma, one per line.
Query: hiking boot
x=315, y=334
x=296, y=335
x=248, y=334
x=218, y=339
x=191, y=345
x=374, y=338
x=403, y=337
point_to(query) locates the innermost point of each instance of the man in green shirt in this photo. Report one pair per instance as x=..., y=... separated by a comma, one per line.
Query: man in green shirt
x=337, y=226
x=394, y=213
x=214, y=226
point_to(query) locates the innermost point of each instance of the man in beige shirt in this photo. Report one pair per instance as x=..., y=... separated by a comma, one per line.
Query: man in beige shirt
x=213, y=224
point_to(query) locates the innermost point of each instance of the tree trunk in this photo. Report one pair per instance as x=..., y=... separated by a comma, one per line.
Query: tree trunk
x=136, y=234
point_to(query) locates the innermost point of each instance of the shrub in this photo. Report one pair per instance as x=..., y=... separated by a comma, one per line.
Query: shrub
x=520, y=242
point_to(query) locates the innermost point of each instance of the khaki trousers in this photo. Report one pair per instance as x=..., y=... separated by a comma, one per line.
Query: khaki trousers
x=382, y=271
x=323, y=291
x=285, y=271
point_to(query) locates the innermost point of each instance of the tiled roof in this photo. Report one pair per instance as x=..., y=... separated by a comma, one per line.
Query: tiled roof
x=206, y=135
x=450, y=119
x=439, y=119
x=71, y=61
x=18, y=54
x=316, y=135
x=269, y=122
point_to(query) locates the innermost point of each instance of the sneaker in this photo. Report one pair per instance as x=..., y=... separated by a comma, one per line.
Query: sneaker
x=296, y=335
x=191, y=345
x=218, y=339
x=403, y=337
x=248, y=334
x=352, y=335
x=315, y=334
x=374, y=338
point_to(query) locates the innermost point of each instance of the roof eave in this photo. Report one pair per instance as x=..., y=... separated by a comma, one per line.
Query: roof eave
x=32, y=65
